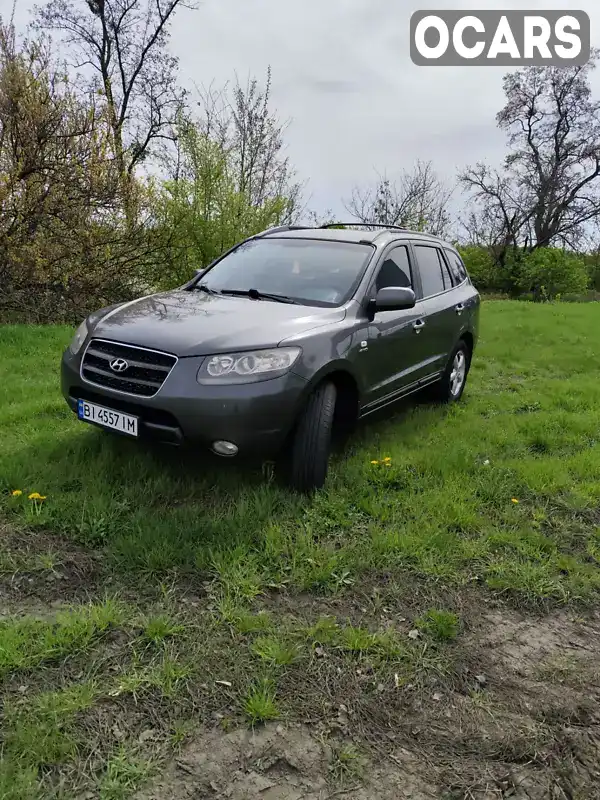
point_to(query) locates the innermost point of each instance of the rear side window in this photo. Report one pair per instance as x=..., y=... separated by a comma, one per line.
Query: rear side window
x=395, y=270
x=430, y=268
x=459, y=272
x=445, y=271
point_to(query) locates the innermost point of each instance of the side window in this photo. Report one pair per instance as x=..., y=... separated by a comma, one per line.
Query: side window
x=395, y=270
x=445, y=271
x=459, y=273
x=430, y=270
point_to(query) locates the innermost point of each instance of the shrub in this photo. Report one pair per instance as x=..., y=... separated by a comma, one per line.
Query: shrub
x=544, y=274
x=549, y=272
x=592, y=262
x=480, y=265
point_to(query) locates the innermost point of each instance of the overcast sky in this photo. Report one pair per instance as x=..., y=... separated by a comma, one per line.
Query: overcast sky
x=342, y=75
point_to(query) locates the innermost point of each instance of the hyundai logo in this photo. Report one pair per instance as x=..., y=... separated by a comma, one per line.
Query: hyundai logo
x=119, y=365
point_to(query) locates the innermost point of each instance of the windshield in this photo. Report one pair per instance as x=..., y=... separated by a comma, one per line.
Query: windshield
x=308, y=271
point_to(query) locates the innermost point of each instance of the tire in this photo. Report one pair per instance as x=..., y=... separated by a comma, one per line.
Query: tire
x=311, y=442
x=452, y=385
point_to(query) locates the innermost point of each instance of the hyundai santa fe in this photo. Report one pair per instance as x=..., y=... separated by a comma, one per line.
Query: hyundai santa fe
x=290, y=336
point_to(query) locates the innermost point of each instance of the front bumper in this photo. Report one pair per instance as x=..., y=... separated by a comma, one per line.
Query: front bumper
x=256, y=417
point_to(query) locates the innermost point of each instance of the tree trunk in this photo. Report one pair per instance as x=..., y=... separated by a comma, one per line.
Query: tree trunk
x=119, y=151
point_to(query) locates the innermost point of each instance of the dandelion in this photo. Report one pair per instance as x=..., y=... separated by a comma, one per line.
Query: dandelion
x=17, y=493
x=37, y=500
x=374, y=463
x=514, y=500
x=387, y=460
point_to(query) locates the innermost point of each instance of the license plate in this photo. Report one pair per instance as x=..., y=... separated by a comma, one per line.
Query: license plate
x=107, y=417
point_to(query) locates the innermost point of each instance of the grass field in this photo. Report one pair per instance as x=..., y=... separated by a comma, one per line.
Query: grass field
x=158, y=604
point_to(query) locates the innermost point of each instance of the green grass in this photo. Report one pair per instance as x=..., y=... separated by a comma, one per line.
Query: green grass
x=347, y=763
x=28, y=642
x=274, y=651
x=323, y=631
x=245, y=602
x=165, y=674
x=41, y=733
x=18, y=781
x=527, y=431
x=159, y=627
x=359, y=640
x=125, y=771
x=260, y=703
x=442, y=625
x=246, y=622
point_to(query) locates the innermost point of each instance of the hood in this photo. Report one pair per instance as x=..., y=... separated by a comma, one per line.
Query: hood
x=196, y=324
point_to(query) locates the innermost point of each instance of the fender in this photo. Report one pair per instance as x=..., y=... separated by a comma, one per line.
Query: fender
x=336, y=366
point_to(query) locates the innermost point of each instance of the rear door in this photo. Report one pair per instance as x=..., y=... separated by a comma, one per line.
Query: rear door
x=439, y=309
x=465, y=297
x=391, y=363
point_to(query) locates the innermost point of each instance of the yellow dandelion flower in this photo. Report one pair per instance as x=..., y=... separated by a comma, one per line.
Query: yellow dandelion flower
x=374, y=462
x=387, y=460
x=37, y=496
x=17, y=493
x=514, y=500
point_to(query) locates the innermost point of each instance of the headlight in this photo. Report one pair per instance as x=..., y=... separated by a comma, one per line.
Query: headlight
x=247, y=367
x=79, y=338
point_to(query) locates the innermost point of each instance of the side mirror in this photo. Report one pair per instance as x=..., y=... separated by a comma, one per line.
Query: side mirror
x=395, y=298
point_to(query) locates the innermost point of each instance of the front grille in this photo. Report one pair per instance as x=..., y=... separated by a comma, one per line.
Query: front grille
x=146, y=372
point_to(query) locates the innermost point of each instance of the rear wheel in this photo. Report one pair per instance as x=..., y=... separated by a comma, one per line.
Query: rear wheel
x=454, y=379
x=311, y=442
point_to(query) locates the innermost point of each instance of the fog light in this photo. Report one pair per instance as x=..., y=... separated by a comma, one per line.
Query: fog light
x=225, y=448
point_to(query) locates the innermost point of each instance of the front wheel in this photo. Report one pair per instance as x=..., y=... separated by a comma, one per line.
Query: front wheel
x=311, y=442
x=454, y=379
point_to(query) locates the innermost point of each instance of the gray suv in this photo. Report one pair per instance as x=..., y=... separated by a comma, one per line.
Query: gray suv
x=285, y=340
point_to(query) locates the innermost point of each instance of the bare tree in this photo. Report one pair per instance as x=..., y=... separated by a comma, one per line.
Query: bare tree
x=57, y=188
x=240, y=121
x=318, y=218
x=228, y=175
x=123, y=43
x=548, y=189
x=257, y=142
x=419, y=200
x=498, y=217
x=64, y=249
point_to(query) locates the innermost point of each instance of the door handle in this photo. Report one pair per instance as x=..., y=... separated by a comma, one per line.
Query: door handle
x=418, y=326
x=459, y=308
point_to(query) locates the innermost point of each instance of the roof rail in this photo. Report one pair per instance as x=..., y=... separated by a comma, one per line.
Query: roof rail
x=428, y=235
x=282, y=228
x=364, y=225
x=330, y=225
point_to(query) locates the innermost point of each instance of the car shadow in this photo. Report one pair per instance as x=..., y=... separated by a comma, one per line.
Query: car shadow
x=370, y=428
x=106, y=455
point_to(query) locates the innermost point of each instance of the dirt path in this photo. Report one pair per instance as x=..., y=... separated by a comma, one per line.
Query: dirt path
x=528, y=727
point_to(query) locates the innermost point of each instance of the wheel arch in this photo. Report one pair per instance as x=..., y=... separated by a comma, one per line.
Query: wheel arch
x=468, y=338
x=348, y=388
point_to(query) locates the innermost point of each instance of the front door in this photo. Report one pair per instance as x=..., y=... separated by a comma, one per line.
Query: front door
x=392, y=335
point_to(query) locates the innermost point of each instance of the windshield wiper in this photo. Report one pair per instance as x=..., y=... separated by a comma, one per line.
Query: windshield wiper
x=254, y=294
x=201, y=287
